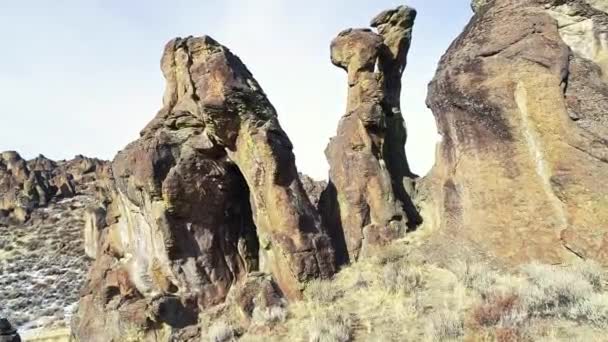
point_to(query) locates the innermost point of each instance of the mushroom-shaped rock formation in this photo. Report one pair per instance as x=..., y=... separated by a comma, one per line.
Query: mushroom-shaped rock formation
x=521, y=100
x=208, y=195
x=367, y=200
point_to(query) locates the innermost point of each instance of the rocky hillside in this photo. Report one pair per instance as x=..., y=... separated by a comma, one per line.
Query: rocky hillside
x=42, y=260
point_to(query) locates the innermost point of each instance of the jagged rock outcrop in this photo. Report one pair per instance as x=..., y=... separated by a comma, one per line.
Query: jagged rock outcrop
x=313, y=188
x=208, y=195
x=7, y=332
x=367, y=200
x=26, y=185
x=520, y=100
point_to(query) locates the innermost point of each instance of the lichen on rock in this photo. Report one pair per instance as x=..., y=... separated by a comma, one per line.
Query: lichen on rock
x=208, y=195
x=367, y=199
x=518, y=99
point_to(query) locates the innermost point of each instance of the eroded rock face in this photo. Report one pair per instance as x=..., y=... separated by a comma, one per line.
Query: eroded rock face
x=208, y=194
x=367, y=198
x=519, y=99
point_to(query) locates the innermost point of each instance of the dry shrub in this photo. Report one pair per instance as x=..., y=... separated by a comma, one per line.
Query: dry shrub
x=504, y=334
x=494, y=309
x=445, y=325
x=591, y=271
x=269, y=315
x=474, y=276
x=133, y=333
x=322, y=291
x=383, y=255
x=330, y=327
x=593, y=310
x=553, y=290
x=401, y=278
x=221, y=332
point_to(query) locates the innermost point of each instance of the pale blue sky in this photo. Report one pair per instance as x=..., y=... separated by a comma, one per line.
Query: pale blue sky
x=82, y=76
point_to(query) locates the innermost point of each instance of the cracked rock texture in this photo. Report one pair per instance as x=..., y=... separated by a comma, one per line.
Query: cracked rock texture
x=520, y=100
x=367, y=200
x=206, y=198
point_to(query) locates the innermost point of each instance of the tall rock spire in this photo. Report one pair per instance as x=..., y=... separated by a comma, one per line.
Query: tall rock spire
x=366, y=201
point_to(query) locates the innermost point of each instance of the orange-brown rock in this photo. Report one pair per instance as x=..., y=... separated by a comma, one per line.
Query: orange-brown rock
x=208, y=194
x=367, y=198
x=520, y=99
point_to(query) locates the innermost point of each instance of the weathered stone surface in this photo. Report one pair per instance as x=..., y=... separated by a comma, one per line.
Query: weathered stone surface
x=313, y=188
x=94, y=222
x=367, y=200
x=519, y=100
x=208, y=194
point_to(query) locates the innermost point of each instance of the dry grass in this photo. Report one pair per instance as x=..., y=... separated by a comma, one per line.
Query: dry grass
x=564, y=292
x=495, y=309
x=221, y=332
x=270, y=315
x=391, y=297
x=330, y=327
x=446, y=325
x=133, y=334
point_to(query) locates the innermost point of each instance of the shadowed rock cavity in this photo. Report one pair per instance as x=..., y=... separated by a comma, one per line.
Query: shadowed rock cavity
x=520, y=100
x=367, y=200
x=207, y=196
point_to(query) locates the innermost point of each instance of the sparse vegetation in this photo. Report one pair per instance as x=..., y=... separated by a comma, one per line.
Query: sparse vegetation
x=330, y=327
x=43, y=265
x=445, y=325
x=269, y=315
x=391, y=297
x=221, y=332
x=133, y=334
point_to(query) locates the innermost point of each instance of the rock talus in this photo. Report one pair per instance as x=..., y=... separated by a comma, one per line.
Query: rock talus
x=520, y=101
x=367, y=200
x=207, y=196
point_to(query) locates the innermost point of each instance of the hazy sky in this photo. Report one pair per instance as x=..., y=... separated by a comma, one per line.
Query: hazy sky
x=83, y=76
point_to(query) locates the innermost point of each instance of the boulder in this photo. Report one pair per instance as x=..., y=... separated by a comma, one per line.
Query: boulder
x=520, y=101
